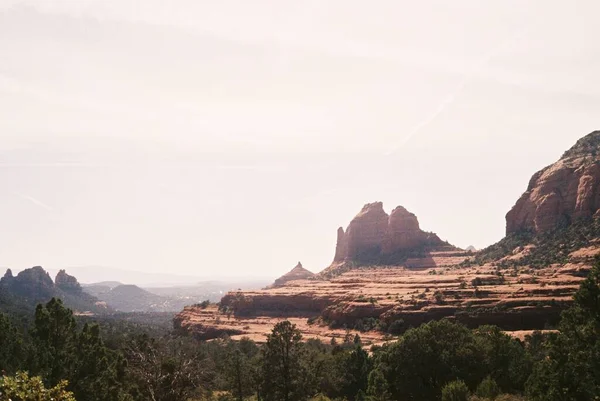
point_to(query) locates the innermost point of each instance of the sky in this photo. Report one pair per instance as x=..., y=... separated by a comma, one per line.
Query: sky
x=231, y=139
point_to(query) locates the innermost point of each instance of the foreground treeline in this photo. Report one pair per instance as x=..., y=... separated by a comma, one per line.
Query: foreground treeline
x=67, y=360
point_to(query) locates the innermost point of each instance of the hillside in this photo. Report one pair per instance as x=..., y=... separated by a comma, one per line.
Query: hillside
x=389, y=275
x=131, y=298
x=33, y=286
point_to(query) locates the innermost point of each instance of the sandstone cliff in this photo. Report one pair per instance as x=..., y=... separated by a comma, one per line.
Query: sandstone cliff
x=297, y=273
x=373, y=233
x=561, y=193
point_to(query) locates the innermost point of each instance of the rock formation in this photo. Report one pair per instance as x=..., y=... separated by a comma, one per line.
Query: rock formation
x=297, y=273
x=34, y=286
x=563, y=192
x=372, y=232
x=8, y=275
x=66, y=282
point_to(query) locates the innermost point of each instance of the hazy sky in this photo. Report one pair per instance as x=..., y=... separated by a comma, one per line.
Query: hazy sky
x=232, y=137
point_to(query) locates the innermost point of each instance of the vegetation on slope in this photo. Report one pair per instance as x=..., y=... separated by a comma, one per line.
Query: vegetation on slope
x=586, y=146
x=548, y=248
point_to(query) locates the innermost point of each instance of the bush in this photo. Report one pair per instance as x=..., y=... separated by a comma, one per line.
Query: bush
x=488, y=389
x=396, y=327
x=455, y=391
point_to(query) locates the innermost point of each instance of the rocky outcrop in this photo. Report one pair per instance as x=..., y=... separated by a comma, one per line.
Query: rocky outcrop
x=561, y=193
x=373, y=233
x=34, y=283
x=272, y=303
x=33, y=286
x=8, y=275
x=66, y=282
x=297, y=273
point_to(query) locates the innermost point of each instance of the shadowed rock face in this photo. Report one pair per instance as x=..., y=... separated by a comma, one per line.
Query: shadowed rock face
x=32, y=283
x=66, y=282
x=566, y=191
x=372, y=230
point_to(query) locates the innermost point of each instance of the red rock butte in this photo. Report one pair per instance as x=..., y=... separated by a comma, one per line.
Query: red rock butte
x=297, y=273
x=563, y=192
x=374, y=232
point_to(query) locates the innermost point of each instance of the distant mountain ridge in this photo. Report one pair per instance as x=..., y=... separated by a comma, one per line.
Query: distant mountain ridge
x=33, y=286
x=131, y=298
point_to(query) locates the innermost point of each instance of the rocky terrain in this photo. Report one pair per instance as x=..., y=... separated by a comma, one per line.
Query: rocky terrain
x=389, y=275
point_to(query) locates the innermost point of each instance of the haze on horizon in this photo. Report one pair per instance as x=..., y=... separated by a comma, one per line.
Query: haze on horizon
x=232, y=138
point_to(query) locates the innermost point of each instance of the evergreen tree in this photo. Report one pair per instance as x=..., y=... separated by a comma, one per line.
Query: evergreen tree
x=12, y=348
x=488, y=389
x=378, y=389
x=100, y=372
x=426, y=358
x=94, y=372
x=239, y=368
x=355, y=373
x=455, y=391
x=283, y=373
x=55, y=342
x=505, y=358
x=571, y=370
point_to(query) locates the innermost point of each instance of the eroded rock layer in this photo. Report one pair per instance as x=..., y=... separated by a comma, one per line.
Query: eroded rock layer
x=379, y=300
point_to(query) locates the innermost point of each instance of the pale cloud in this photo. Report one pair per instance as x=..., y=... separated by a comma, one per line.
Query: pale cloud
x=35, y=201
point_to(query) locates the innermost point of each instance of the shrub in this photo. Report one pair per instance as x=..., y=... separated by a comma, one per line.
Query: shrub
x=396, y=327
x=455, y=391
x=439, y=297
x=488, y=389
